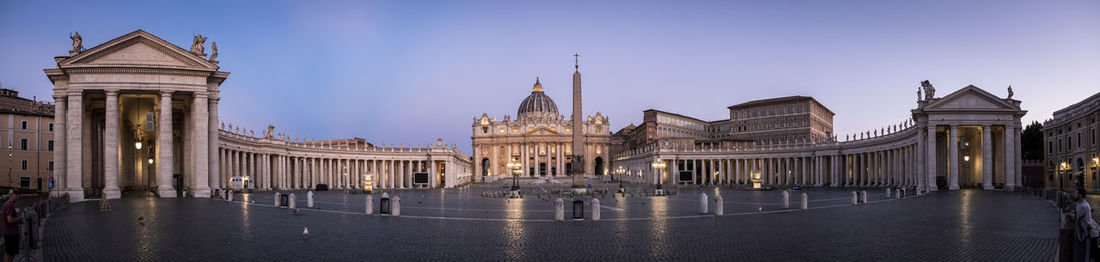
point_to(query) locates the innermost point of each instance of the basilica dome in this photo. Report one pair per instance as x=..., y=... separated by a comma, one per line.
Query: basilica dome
x=538, y=103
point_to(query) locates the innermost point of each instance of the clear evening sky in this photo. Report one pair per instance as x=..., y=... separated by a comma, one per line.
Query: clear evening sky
x=411, y=71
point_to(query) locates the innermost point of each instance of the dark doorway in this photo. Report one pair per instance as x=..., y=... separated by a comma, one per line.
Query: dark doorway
x=599, y=167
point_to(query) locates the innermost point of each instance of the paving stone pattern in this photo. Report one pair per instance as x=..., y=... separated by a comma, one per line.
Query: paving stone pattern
x=968, y=225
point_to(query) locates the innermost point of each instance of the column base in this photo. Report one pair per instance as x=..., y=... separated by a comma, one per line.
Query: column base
x=167, y=193
x=953, y=187
x=75, y=195
x=987, y=187
x=112, y=193
x=201, y=193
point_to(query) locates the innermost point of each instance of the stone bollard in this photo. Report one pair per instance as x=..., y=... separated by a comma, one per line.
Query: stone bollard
x=230, y=196
x=786, y=199
x=595, y=209
x=309, y=199
x=902, y=193
x=703, y=203
x=370, y=206
x=863, y=196
x=291, y=200
x=396, y=206
x=276, y=199
x=559, y=210
x=855, y=199
x=719, y=207
x=899, y=194
x=888, y=193
x=805, y=201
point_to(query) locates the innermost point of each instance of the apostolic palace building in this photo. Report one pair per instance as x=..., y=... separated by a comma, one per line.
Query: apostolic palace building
x=140, y=113
x=968, y=138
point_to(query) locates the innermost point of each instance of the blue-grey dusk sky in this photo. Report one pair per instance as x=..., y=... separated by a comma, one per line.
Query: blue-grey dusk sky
x=411, y=71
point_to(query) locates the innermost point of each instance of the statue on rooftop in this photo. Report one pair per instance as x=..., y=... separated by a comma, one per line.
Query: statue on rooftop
x=929, y=90
x=78, y=43
x=1010, y=92
x=198, y=45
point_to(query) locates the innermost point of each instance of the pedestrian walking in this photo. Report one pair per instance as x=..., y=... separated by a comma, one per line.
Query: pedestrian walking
x=11, y=230
x=1085, y=229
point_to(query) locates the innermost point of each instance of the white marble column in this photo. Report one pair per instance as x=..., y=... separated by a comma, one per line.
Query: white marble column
x=201, y=131
x=74, y=134
x=1012, y=155
x=212, y=137
x=110, y=146
x=987, y=157
x=954, y=157
x=60, y=150
x=929, y=176
x=164, y=147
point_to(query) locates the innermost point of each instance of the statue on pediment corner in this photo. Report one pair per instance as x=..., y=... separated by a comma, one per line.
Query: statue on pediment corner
x=78, y=43
x=918, y=95
x=1010, y=92
x=929, y=90
x=198, y=45
x=214, y=54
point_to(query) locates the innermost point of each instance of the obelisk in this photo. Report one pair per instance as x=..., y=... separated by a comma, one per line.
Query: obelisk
x=578, y=128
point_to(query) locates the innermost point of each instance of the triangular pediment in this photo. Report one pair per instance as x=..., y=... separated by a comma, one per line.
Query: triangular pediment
x=138, y=48
x=970, y=98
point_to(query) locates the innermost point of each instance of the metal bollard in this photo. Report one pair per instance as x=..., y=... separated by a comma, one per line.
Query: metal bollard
x=786, y=199
x=291, y=204
x=595, y=209
x=855, y=199
x=805, y=201
x=396, y=206
x=719, y=208
x=309, y=199
x=559, y=209
x=370, y=205
x=703, y=203
x=863, y=195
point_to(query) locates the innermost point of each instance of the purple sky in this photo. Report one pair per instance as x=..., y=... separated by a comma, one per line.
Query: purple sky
x=412, y=71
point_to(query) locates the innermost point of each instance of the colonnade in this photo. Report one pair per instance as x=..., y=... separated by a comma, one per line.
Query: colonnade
x=268, y=171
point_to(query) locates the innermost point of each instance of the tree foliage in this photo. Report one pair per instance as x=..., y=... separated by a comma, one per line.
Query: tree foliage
x=1031, y=141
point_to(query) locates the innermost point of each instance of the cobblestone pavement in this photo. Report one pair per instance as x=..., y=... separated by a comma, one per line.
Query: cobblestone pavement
x=963, y=225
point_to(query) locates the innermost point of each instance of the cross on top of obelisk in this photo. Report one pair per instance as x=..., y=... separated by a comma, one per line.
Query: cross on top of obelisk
x=577, y=61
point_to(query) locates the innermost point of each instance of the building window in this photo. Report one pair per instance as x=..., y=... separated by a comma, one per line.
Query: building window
x=23, y=144
x=49, y=167
x=24, y=164
x=49, y=145
x=24, y=124
x=51, y=127
x=1078, y=139
x=24, y=182
x=149, y=119
x=484, y=130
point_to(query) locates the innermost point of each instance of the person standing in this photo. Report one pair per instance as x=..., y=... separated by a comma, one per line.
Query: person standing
x=1085, y=229
x=11, y=230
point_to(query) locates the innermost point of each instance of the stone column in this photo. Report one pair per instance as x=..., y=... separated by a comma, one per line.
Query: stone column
x=929, y=176
x=202, y=166
x=953, y=145
x=164, y=147
x=212, y=137
x=987, y=157
x=74, y=180
x=409, y=173
x=1012, y=155
x=110, y=146
x=524, y=159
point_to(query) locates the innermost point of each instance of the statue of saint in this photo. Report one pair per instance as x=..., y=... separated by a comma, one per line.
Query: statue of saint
x=918, y=94
x=214, y=54
x=78, y=43
x=929, y=90
x=197, y=46
x=1010, y=92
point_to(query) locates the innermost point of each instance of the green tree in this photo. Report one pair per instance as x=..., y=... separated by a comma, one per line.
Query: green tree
x=1031, y=141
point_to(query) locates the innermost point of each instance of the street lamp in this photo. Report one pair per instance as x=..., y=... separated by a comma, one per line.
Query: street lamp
x=1062, y=168
x=660, y=166
x=515, y=167
x=620, y=171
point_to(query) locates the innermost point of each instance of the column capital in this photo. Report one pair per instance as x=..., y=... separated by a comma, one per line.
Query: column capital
x=164, y=93
x=76, y=93
x=200, y=95
x=60, y=97
x=111, y=91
